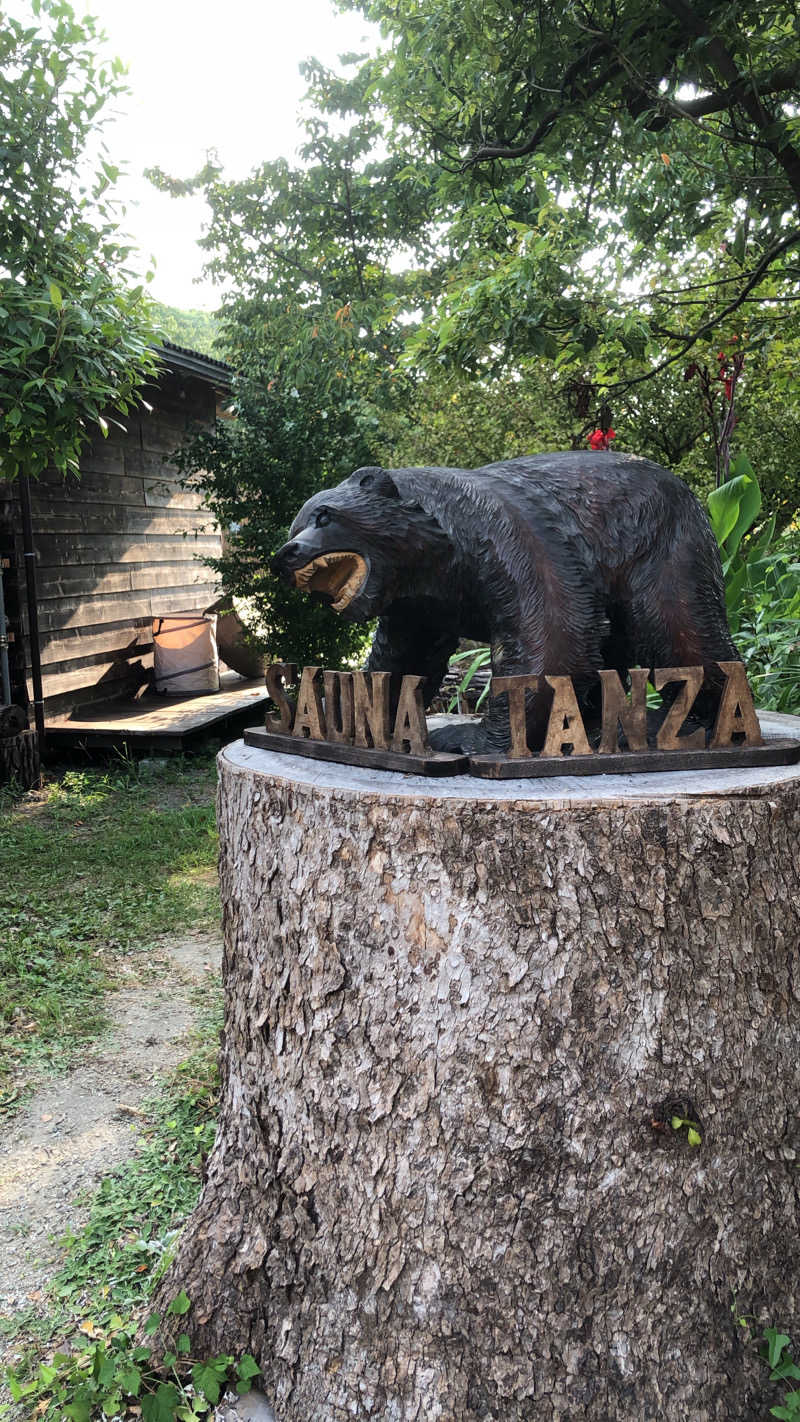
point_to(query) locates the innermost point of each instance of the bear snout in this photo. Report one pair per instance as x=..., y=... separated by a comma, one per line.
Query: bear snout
x=282, y=562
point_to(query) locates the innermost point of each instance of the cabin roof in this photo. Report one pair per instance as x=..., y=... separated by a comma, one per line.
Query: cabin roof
x=181, y=358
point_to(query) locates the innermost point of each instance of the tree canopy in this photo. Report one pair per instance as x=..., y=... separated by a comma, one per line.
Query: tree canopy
x=635, y=168
x=311, y=322
x=199, y=330
x=407, y=293
x=76, y=333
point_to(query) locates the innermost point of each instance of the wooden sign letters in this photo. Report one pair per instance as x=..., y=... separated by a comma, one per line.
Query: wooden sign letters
x=348, y=716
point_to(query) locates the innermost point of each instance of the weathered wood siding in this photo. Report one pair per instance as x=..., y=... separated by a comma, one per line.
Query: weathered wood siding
x=116, y=548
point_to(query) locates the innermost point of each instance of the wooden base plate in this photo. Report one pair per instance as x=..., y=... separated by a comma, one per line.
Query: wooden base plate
x=776, y=752
x=497, y=767
x=435, y=763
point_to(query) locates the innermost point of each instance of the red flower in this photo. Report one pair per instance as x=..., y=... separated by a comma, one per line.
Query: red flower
x=600, y=439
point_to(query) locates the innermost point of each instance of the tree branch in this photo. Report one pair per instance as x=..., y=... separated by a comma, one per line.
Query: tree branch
x=791, y=239
x=748, y=96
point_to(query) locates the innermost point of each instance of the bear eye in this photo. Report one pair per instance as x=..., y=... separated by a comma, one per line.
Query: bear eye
x=323, y=517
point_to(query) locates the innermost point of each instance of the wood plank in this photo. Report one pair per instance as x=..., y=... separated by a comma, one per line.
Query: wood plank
x=91, y=696
x=114, y=491
x=89, y=488
x=53, y=549
x=162, y=435
x=63, y=680
x=62, y=582
x=437, y=763
x=191, y=575
x=65, y=518
x=777, y=752
x=168, y=494
x=152, y=467
x=155, y=715
x=109, y=578
x=92, y=612
x=128, y=639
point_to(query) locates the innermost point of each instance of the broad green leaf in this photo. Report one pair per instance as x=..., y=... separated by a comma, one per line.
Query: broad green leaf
x=724, y=506
x=749, y=507
x=207, y=1379
x=55, y=296
x=180, y=1304
x=776, y=1342
x=247, y=1367
x=160, y=1406
x=79, y=1411
x=130, y=1380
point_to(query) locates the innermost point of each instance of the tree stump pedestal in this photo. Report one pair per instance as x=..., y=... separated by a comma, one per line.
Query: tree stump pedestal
x=462, y=1019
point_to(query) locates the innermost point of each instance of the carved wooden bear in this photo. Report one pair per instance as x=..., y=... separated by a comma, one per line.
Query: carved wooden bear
x=563, y=563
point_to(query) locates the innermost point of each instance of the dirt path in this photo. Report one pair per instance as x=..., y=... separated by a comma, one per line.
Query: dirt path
x=77, y=1128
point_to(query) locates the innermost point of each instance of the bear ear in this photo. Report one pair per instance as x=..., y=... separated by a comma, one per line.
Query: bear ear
x=378, y=481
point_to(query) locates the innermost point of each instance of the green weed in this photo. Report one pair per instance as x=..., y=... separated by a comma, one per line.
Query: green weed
x=98, y=1367
x=762, y=589
x=112, y=1376
x=783, y=1368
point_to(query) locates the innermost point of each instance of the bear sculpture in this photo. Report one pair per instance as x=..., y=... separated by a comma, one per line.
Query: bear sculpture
x=563, y=563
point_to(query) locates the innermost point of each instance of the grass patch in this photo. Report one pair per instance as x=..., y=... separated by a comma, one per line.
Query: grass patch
x=94, y=867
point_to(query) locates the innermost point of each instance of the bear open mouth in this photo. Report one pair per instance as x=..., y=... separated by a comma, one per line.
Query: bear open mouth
x=338, y=575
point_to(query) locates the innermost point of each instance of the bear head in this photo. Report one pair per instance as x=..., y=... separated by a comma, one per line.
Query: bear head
x=362, y=545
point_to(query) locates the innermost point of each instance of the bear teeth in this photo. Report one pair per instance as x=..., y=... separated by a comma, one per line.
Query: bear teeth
x=340, y=575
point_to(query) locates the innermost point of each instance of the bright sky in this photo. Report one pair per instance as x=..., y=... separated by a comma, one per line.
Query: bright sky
x=207, y=75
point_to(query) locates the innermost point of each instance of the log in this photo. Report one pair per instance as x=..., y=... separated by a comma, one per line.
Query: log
x=462, y=1017
x=19, y=760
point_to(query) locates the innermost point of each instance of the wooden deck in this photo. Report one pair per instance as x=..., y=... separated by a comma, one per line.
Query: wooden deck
x=158, y=723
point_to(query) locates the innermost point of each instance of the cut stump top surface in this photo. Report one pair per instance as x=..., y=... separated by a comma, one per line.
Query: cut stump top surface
x=554, y=790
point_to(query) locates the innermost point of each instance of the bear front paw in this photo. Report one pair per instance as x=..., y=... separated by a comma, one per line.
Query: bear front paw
x=460, y=738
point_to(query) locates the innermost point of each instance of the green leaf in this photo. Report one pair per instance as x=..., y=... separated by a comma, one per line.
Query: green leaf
x=152, y=1323
x=724, y=505
x=749, y=507
x=247, y=1367
x=55, y=296
x=776, y=1342
x=180, y=1304
x=161, y=1405
x=734, y=584
x=183, y=1344
x=79, y=1411
x=694, y=1137
x=130, y=1380
x=207, y=1380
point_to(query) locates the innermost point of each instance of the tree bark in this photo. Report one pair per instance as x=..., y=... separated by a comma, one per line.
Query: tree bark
x=459, y=1021
x=19, y=759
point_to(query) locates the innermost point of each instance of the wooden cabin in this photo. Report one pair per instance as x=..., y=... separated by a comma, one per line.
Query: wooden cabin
x=114, y=548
